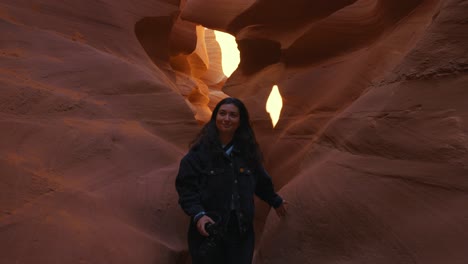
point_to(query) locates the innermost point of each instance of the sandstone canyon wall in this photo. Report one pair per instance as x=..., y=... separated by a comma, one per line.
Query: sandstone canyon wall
x=99, y=100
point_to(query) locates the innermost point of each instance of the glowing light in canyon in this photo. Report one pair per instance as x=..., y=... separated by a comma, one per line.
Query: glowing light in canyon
x=274, y=105
x=230, y=56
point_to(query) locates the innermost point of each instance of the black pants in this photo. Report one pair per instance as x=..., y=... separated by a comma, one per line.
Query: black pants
x=231, y=248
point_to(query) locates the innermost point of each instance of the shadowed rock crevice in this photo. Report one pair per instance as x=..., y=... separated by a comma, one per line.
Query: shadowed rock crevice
x=348, y=30
x=273, y=13
x=189, y=55
x=153, y=34
x=256, y=54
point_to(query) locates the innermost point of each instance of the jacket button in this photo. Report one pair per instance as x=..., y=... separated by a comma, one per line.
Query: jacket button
x=235, y=181
x=212, y=172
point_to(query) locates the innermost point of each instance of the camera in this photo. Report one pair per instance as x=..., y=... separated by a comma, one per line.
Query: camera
x=211, y=229
x=210, y=242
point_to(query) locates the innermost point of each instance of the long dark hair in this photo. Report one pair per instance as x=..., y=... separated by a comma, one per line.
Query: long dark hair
x=244, y=137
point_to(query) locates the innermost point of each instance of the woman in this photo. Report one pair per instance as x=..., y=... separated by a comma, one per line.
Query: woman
x=216, y=183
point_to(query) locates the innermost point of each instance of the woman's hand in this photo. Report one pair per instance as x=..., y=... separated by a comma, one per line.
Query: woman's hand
x=201, y=225
x=281, y=210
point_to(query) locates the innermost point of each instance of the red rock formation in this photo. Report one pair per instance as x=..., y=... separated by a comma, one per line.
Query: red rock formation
x=99, y=100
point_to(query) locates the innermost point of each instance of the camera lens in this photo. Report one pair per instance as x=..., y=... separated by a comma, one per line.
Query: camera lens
x=210, y=229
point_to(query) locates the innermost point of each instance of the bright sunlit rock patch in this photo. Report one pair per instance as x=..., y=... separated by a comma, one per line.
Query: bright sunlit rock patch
x=230, y=55
x=230, y=58
x=274, y=105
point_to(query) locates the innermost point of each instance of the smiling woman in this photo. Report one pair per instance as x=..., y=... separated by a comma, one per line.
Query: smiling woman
x=217, y=182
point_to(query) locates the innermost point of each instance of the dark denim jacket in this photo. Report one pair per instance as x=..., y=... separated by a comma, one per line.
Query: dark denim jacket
x=206, y=182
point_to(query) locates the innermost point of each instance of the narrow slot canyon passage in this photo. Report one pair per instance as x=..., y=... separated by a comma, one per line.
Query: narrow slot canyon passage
x=359, y=107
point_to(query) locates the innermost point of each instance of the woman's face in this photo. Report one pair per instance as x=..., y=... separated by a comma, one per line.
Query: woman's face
x=227, y=119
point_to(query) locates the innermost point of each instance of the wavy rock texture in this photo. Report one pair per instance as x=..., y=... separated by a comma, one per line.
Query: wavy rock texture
x=99, y=100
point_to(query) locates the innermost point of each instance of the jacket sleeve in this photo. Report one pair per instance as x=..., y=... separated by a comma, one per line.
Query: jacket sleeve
x=265, y=190
x=188, y=186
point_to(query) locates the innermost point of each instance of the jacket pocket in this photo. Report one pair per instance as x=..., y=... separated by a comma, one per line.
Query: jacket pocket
x=247, y=180
x=211, y=181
